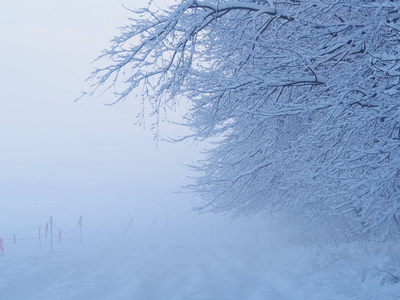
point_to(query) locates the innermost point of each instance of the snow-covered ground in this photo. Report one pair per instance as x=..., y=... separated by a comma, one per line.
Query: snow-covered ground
x=201, y=258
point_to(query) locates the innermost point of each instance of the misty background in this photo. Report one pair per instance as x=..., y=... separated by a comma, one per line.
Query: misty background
x=66, y=158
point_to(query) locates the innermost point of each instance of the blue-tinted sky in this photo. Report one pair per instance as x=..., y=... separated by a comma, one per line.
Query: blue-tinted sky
x=64, y=158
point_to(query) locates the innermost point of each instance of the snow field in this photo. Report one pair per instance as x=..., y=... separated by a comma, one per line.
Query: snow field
x=187, y=260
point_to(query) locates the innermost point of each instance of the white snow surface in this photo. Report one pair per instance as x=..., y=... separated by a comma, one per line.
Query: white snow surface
x=178, y=259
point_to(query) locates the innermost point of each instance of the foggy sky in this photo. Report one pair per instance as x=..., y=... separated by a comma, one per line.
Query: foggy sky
x=64, y=158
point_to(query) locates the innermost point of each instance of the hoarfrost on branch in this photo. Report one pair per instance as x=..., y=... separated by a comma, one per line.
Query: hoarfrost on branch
x=302, y=96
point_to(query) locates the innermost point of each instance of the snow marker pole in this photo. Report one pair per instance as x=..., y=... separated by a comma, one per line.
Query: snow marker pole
x=51, y=234
x=154, y=221
x=80, y=229
x=129, y=225
x=40, y=242
x=1, y=248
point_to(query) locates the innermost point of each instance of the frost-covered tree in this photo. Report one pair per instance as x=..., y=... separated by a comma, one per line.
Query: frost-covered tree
x=302, y=97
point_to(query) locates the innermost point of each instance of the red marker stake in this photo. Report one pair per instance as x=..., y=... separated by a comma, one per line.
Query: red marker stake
x=1, y=248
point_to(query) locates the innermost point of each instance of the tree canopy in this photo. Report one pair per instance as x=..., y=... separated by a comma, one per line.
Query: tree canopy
x=302, y=97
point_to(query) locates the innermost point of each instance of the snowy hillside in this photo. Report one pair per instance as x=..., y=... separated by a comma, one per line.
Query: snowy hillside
x=182, y=259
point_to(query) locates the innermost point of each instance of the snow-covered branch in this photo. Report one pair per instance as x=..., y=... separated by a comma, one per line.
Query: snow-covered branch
x=308, y=88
